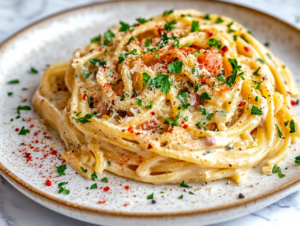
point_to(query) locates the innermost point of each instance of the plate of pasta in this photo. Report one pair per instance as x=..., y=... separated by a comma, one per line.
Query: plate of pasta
x=134, y=112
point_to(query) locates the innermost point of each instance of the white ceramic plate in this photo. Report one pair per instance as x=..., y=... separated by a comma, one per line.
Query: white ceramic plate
x=27, y=167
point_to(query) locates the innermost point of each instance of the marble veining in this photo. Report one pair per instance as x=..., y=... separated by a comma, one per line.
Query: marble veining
x=18, y=210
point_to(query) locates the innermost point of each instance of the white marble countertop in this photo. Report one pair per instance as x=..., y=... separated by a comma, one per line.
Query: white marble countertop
x=18, y=210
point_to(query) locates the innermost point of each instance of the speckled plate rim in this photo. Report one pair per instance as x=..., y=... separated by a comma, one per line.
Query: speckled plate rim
x=15, y=179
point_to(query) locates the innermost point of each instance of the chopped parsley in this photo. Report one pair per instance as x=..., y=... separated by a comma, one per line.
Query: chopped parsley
x=86, y=73
x=150, y=196
x=24, y=108
x=214, y=42
x=209, y=116
x=94, y=176
x=86, y=118
x=61, y=169
x=149, y=106
x=219, y=20
x=131, y=39
x=297, y=160
x=230, y=80
x=170, y=26
x=24, y=131
x=256, y=98
x=183, y=98
x=268, y=54
x=242, y=37
x=124, y=26
x=261, y=60
x=175, y=67
x=104, y=179
x=286, y=123
x=139, y=101
x=9, y=93
x=33, y=70
x=191, y=193
x=83, y=169
x=160, y=81
x=108, y=36
x=278, y=131
x=97, y=62
x=63, y=189
x=94, y=186
x=197, y=86
x=168, y=12
x=196, y=53
x=141, y=20
x=255, y=110
x=147, y=43
x=195, y=26
x=201, y=125
x=96, y=39
x=16, y=81
x=228, y=147
x=206, y=17
x=292, y=126
x=186, y=118
x=205, y=96
x=184, y=184
x=276, y=169
x=120, y=60
x=257, y=83
x=172, y=121
x=180, y=197
x=124, y=96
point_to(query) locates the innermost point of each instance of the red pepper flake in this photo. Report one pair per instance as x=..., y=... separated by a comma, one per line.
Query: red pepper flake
x=48, y=182
x=31, y=126
x=185, y=126
x=160, y=31
x=293, y=102
x=104, y=67
x=138, y=133
x=130, y=130
x=28, y=156
x=125, y=204
x=101, y=202
x=242, y=103
x=85, y=96
x=288, y=92
x=170, y=131
x=126, y=187
x=288, y=107
x=200, y=66
x=224, y=50
x=150, y=146
x=106, y=188
x=247, y=48
x=203, y=82
x=152, y=113
x=17, y=129
x=209, y=33
x=138, y=24
x=154, y=92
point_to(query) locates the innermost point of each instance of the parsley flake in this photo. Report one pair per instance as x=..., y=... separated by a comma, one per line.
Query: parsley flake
x=297, y=160
x=104, y=179
x=278, y=131
x=175, y=67
x=195, y=26
x=33, y=70
x=184, y=184
x=168, y=12
x=124, y=26
x=214, y=42
x=23, y=131
x=83, y=169
x=261, y=60
x=94, y=186
x=205, y=96
x=108, y=36
x=292, y=126
x=138, y=101
x=24, y=108
x=61, y=169
x=97, y=62
x=150, y=196
x=170, y=26
x=86, y=118
x=219, y=20
x=180, y=197
x=16, y=81
x=94, y=176
x=276, y=169
x=255, y=110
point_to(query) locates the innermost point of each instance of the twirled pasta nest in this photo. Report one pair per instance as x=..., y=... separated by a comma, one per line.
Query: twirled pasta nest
x=181, y=96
